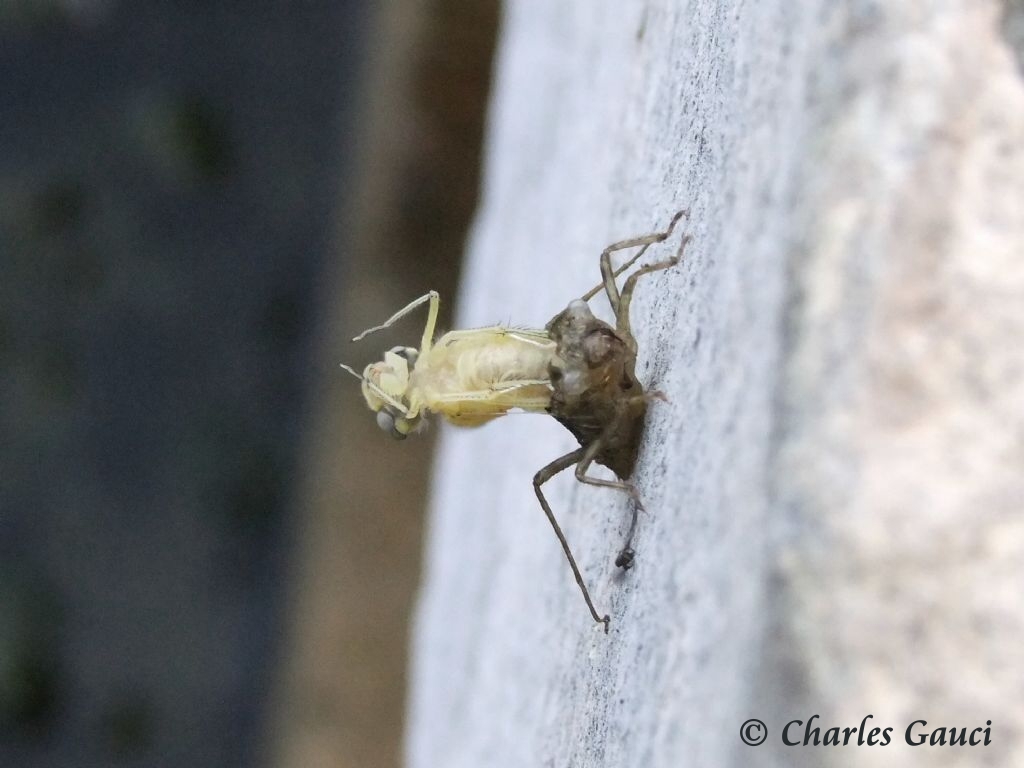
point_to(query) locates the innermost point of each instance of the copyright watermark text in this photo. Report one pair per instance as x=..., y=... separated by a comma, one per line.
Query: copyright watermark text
x=813, y=733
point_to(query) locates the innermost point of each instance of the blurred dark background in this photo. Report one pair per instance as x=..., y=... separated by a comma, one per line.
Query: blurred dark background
x=198, y=201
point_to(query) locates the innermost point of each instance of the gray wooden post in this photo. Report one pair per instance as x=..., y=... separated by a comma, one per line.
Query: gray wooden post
x=835, y=486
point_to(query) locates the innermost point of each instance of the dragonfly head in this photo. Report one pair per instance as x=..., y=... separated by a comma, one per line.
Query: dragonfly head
x=385, y=387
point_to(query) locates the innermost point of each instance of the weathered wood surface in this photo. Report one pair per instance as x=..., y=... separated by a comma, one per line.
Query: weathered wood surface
x=835, y=486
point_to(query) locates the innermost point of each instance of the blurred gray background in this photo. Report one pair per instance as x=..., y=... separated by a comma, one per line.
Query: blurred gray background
x=190, y=195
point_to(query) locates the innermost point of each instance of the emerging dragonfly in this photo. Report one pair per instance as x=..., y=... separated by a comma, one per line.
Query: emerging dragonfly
x=578, y=368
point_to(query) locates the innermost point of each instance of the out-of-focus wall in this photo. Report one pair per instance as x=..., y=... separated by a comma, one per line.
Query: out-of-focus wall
x=834, y=483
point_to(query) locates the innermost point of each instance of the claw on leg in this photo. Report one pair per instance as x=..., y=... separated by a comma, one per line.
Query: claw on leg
x=625, y=558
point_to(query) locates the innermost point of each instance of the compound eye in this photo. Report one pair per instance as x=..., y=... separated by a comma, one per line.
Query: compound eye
x=409, y=353
x=386, y=421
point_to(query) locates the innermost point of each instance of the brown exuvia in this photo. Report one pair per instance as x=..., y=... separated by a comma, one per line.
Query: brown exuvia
x=595, y=393
x=578, y=368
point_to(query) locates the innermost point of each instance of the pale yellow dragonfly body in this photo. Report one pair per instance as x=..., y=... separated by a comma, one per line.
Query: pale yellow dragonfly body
x=469, y=377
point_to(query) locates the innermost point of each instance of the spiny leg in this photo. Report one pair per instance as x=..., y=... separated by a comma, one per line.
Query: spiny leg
x=587, y=459
x=626, y=555
x=632, y=260
x=493, y=392
x=428, y=331
x=657, y=238
x=539, y=479
x=608, y=274
x=499, y=395
x=527, y=335
x=622, y=324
